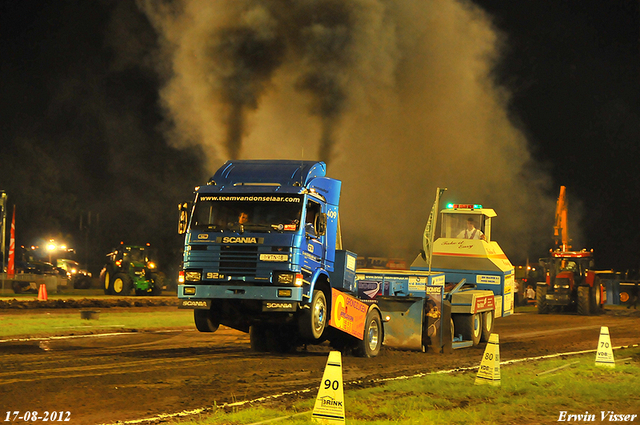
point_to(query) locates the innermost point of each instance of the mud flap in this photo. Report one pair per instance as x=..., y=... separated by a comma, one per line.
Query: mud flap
x=403, y=319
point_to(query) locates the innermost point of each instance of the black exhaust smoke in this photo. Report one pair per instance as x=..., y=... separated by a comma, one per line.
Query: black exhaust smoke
x=244, y=45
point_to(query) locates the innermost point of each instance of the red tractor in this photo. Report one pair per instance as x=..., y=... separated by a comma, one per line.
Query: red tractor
x=571, y=282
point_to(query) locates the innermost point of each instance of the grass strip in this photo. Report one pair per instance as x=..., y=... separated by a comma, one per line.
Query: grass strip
x=535, y=392
x=60, y=323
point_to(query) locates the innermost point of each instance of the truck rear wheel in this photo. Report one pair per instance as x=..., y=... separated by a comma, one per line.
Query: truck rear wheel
x=278, y=340
x=313, y=320
x=487, y=325
x=469, y=326
x=584, y=300
x=121, y=285
x=372, y=342
x=205, y=321
x=541, y=299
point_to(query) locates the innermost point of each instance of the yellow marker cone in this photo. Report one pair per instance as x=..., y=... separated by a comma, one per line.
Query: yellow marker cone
x=489, y=372
x=329, y=408
x=604, y=352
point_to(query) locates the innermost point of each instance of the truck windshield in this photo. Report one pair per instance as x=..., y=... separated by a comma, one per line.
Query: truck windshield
x=251, y=213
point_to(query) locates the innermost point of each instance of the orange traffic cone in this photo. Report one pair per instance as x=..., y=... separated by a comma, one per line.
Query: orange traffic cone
x=42, y=292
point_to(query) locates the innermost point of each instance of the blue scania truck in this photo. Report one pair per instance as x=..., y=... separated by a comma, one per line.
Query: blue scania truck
x=263, y=255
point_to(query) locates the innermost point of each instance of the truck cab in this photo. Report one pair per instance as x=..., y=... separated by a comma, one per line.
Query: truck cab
x=260, y=245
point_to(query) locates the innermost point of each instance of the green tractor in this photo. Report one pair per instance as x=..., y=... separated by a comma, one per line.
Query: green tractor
x=130, y=268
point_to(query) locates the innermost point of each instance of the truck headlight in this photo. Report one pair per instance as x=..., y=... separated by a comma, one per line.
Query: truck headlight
x=192, y=276
x=285, y=278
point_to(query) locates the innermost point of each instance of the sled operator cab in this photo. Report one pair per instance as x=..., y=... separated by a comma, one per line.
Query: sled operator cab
x=465, y=250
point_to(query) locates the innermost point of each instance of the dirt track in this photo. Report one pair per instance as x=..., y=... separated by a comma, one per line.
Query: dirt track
x=139, y=375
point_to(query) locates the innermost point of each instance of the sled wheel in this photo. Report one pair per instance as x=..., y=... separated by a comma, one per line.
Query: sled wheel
x=469, y=326
x=487, y=325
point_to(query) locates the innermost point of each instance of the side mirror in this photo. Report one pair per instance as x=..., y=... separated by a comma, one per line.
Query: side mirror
x=183, y=218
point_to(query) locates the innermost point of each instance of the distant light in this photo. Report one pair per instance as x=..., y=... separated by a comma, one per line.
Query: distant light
x=51, y=247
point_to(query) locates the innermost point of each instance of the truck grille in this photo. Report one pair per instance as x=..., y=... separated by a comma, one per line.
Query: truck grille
x=238, y=260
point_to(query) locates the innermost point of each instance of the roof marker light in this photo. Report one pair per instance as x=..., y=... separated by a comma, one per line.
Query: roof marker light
x=464, y=206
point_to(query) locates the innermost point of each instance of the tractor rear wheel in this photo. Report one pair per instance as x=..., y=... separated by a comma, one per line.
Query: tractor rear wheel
x=541, y=299
x=82, y=283
x=584, y=300
x=156, y=289
x=596, y=297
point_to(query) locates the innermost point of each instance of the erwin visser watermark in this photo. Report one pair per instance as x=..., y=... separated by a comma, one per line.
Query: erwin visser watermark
x=604, y=416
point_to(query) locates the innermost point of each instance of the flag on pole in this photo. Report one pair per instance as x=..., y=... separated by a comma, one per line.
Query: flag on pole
x=11, y=266
x=430, y=228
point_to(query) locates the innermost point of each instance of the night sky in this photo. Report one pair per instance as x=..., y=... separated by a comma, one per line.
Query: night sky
x=574, y=71
x=98, y=144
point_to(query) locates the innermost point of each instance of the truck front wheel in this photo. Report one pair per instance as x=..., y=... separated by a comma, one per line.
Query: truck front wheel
x=205, y=321
x=372, y=342
x=312, y=321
